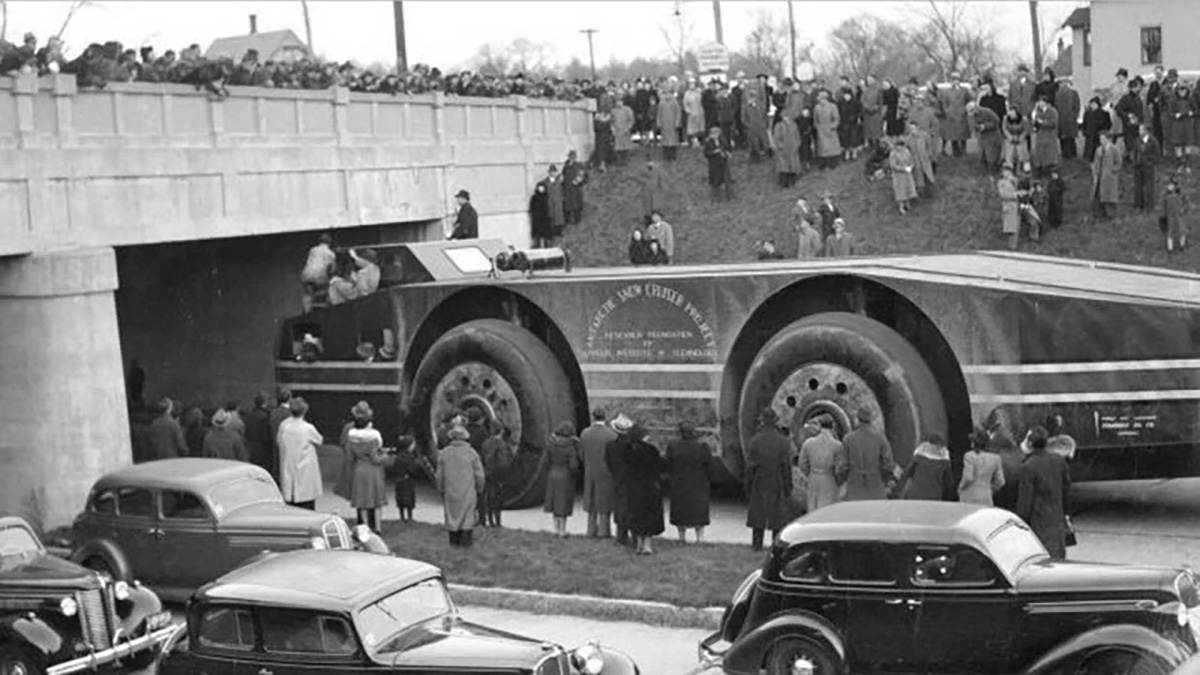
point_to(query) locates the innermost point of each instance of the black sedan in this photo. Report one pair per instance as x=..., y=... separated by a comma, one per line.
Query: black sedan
x=937, y=587
x=348, y=612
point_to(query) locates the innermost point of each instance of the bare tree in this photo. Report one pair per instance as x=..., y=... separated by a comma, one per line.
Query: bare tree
x=74, y=9
x=767, y=44
x=528, y=56
x=868, y=45
x=491, y=61
x=678, y=37
x=957, y=38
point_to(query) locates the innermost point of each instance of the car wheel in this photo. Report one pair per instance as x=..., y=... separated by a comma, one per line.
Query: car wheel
x=507, y=374
x=801, y=656
x=838, y=363
x=14, y=661
x=1123, y=662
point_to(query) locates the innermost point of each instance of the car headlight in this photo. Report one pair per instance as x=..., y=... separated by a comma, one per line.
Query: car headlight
x=121, y=590
x=318, y=542
x=68, y=606
x=588, y=659
x=362, y=533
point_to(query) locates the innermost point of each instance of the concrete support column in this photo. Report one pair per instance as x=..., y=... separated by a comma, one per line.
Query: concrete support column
x=62, y=387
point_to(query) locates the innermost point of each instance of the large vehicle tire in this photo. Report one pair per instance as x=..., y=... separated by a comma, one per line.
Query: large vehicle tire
x=838, y=363
x=510, y=376
x=1123, y=662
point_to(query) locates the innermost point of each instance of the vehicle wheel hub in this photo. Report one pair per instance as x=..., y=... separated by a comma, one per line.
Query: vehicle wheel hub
x=477, y=391
x=802, y=664
x=826, y=388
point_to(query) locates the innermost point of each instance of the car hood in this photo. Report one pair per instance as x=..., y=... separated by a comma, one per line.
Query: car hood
x=1069, y=576
x=467, y=645
x=261, y=517
x=45, y=571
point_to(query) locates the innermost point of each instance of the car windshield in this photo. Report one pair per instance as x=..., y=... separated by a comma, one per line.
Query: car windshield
x=1014, y=544
x=17, y=541
x=235, y=494
x=381, y=623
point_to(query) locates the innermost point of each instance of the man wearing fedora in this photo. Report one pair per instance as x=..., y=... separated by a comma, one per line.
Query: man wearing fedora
x=460, y=480
x=299, y=469
x=768, y=478
x=598, y=494
x=615, y=458
x=223, y=441
x=869, y=460
x=466, y=223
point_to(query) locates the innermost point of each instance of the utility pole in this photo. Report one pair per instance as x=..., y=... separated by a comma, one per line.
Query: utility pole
x=591, y=51
x=1037, y=37
x=792, y=35
x=717, y=21
x=307, y=27
x=401, y=48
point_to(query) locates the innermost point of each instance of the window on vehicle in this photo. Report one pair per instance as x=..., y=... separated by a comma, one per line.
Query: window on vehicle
x=957, y=566
x=18, y=541
x=469, y=259
x=236, y=494
x=136, y=502
x=103, y=501
x=807, y=564
x=178, y=505
x=301, y=632
x=861, y=563
x=1151, y=45
x=402, y=610
x=226, y=628
x=1014, y=544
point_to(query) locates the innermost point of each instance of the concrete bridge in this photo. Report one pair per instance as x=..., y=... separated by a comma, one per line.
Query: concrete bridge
x=123, y=222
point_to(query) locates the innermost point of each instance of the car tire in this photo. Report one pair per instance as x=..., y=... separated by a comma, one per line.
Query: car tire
x=783, y=655
x=529, y=374
x=98, y=563
x=14, y=661
x=901, y=385
x=1123, y=662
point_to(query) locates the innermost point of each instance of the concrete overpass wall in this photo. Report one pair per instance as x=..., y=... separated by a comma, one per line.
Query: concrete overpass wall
x=145, y=163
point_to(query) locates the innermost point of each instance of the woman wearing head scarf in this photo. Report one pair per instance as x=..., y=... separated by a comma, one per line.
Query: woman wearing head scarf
x=459, y=479
x=643, y=471
x=690, y=465
x=560, y=461
x=982, y=474
x=364, y=445
x=928, y=475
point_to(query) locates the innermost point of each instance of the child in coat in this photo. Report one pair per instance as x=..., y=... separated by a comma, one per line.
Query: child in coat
x=1172, y=220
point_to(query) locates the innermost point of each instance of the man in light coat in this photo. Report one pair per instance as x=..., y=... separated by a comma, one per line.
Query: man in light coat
x=1106, y=177
x=299, y=469
x=822, y=460
x=869, y=460
x=460, y=480
x=598, y=494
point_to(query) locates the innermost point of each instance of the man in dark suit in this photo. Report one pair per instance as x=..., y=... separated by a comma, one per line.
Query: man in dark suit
x=768, y=477
x=869, y=456
x=1146, y=152
x=466, y=225
x=1044, y=486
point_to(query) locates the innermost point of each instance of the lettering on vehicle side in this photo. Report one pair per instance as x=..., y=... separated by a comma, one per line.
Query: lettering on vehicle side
x=649, y=323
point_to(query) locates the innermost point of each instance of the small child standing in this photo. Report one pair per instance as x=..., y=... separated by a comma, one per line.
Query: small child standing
x=1172, y=222
x=406, y=468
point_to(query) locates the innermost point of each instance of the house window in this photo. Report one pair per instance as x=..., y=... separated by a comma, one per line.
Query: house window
x=1087, y=47
x=1151, y=45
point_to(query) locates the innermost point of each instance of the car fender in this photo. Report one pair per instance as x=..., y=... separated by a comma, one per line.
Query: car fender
x=144, y=603
x=32, y=632
x=107, y=550
x=617, y=662
x=1073, y=651
x=746, y=655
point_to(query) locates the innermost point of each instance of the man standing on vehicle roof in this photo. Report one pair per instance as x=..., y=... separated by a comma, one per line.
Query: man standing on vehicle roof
x=1044, y=485
x=466, y=224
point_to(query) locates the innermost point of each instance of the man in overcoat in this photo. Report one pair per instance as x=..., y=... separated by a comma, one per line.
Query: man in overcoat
x=466, y=223
x=654, y=185
x=574, y=175
x=954, y=125
x=299, y=469
x=598, y=494
x=987, y=129
x=669, y=118
x=459, y=479
x=768, y=479
x=1067, y=102
x=615, y=458
x=165, y=436
x=1106, y=176
x=1020, y=91
x=1146, y=152
x=1044, y=487
x=869, y=461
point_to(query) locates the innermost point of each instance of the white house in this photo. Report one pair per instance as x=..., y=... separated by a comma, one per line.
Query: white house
x=1133, y=34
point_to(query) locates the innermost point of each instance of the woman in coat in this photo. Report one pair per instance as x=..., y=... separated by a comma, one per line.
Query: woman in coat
x=982, y=473
x=928, y=476
x=919, y=145
x=872, y=111
x=643, y=471
x=1096, y=122
x=406, y=468
x=364, y=443
x=850, y=131
x=1010, y=206
x=622, y=128
x=541, y=228
x=786, y=137
x=822, y=460
x=639, y=248
x=689, y=463
x=654, y=184
x=1174, y=208
x=893, y=124
x=669, y=120
x=693, y=105
x=1047, y=149
x=903, y=186
x=825, y=121
x=459, y=479
x=1178, y=113
x=560, y=461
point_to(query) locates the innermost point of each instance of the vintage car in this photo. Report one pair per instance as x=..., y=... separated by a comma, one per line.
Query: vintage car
x=938, y=587
x=177, y=524
x=57, y=617
x=345, y=612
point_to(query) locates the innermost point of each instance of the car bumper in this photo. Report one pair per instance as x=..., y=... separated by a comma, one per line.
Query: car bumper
x=712, y=651
x=117, y=652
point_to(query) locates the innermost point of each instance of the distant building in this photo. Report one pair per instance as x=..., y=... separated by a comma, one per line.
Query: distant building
x=1132, y=34
x=276, y=45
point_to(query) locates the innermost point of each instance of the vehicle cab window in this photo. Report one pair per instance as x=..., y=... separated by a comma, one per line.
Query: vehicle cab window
x=952, y=566
x=226, y=628
x=805, y=564
x=136, y=502
x=178, y=505
x=855, y=562
x=103, y=501
x=299, y=632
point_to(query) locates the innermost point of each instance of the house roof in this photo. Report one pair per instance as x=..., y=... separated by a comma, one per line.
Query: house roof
x=1080, y=18
x=265, y=43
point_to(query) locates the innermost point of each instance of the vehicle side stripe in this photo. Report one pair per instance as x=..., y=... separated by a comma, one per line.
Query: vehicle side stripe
x=1086, y=367
x=651, y=367
x=349, y=365
x=651, y=393
x=316, y=386
x=1088, y=606
x=1089, y=397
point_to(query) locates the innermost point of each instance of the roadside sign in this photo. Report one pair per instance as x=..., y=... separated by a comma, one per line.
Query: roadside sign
x=713, y=57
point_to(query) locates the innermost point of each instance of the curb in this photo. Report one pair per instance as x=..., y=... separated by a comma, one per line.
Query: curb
x=589, y=607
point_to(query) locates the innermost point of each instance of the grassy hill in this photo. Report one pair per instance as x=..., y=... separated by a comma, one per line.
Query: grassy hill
x=963, y=216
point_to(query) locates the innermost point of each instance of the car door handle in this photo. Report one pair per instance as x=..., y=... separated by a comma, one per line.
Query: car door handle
x=893, y=601
x=156, y=532
x=913, y=603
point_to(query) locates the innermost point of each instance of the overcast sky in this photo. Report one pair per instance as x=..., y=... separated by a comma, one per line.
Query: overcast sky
x=447, y=33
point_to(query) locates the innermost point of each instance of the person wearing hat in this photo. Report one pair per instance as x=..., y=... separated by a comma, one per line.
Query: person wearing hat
x=1043, y=490
x=982, y=473
x=690, y=466
x=643, y=470
x=466, y=222
x=165, y=437
x=986, y=125
x=904, y=186
x=560, y=461
x=768, y=479
x=1021, y=91
x=1096, y=123
x=258, y=432
x=598, y=494
x=822, y=460
x=1066, y=102
x=953, y=102
x=460, y=480
x=1146, y=154
x=366, y=277
x=1010, y=205
x=222, y=442
x=869, y=463
x=363, y=447
x=616, y=460
x=1106, y=177
x=299, y=469
x=717, y=152
x=574, y=177
x=622, y=129
x=668, y=117
x=1131, y=111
